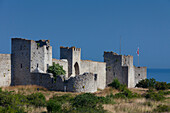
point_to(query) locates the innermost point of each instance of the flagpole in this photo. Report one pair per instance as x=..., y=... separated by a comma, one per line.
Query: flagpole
x=138, y=56
x=120, y=45
x=138, y=60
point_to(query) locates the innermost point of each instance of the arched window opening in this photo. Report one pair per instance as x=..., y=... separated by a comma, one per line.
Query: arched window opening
x=76, y=67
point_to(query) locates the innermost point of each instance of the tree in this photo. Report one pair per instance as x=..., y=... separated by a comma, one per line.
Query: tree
x=56, y=70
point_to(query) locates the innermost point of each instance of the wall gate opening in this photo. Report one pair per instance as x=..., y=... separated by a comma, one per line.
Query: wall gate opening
x=76, y=67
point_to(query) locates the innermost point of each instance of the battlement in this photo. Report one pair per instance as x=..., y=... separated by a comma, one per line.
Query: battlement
x=72, y=48
x=110, y=52
x=41, y=43
x=114, y=53
x=21, y=39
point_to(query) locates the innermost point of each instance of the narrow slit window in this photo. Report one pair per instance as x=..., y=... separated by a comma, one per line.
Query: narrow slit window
x=37, y=65
x=21, y=65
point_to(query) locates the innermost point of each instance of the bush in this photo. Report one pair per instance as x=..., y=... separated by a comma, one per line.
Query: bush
x=152, y=83
x=12, y=103
x=155, y=96
x=37, y=99
x=168, y=85
x=161, y=86
x=63, y=99
x=146, y=83
x=85, y=100
x=115, y=84
x=53, y=106
x=126, y=94
x=56, y=70
x=162, y=108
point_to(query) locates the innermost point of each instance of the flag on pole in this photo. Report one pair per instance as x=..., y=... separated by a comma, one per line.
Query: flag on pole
x=138, y=51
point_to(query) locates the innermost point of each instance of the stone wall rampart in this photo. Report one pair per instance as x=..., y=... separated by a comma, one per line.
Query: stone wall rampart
x=5, y=69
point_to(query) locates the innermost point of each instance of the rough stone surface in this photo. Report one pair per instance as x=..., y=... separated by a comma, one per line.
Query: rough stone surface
x=29, y=61
x=98, y=68
x=5, y=69
x=29, y=56
x=76, y=66
x=121, y=67
x=140, y=73
x=81, y=83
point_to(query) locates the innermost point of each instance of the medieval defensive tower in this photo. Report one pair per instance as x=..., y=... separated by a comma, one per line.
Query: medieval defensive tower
x=73, y=56
x=122, y=68
x=29, y=56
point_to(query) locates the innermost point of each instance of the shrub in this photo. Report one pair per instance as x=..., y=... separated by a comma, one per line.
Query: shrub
x=62, y=99
x=146, y=83
x=53, y=106
x=161, y=86
x=12, y=103
x=168, y=85
x=155, y=96
x=85, y=100
x=37, y=99
x=162, y=108
x=126, y=94
x=115, y=84
x=56, y=69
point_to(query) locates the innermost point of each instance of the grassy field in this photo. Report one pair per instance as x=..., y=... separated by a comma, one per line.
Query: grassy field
x=118, y=105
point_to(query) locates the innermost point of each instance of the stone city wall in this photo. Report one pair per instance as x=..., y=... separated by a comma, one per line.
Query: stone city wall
x=81, y=83
x=5, y=69
x=98, y=68
x=21, y=49
x=140, y=73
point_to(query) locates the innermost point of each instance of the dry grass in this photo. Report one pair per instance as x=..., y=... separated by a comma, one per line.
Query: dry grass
x=133, y=106
x=29, y=89
x=106, y=91
x=137, y=105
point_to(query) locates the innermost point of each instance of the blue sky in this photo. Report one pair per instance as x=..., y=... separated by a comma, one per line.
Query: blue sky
x=93, y=25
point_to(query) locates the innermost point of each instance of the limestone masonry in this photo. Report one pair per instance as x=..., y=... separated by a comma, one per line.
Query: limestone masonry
x=29, y=61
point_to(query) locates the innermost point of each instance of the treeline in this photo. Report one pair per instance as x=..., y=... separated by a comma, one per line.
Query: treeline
x=152, y=83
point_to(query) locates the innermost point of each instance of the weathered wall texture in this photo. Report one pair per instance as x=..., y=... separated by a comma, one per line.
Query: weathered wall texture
x=76, y=66
x=81, y=83
x=121, y=67
x=21, y=49
x=29, y=56
x=98, y=68
x=114, y=68
x=86, y=82
x=64, y=63
x=5, y=69
x=140, y=73
x=73, y=56
x=41, y=56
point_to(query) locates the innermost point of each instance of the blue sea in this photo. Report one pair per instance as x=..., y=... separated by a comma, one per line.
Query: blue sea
x=162, y=75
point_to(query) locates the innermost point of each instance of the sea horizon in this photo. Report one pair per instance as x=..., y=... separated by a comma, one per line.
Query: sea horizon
x=160, y=74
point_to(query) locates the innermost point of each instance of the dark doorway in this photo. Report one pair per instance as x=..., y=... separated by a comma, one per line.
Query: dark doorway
x=76, y=67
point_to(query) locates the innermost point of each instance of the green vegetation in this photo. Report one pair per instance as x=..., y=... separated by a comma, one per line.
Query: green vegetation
x=155, y=96
x=152, y=83
x=37, y=99
x=56, y=70
x=162, y=108
x=124, y=91
x=117, y=98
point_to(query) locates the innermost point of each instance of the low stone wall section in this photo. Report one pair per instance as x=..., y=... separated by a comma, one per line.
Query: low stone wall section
x=86, y=82
x=140, y=73
x=82, y=83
